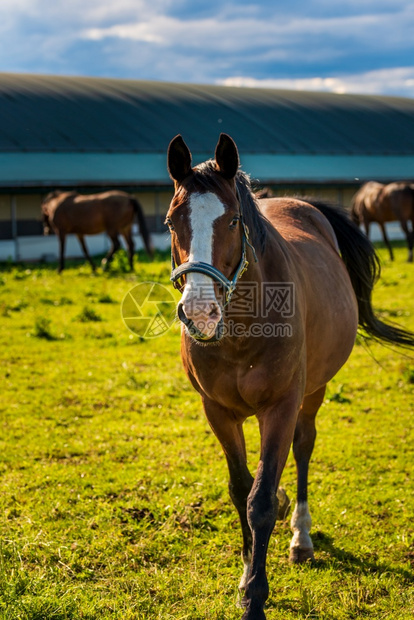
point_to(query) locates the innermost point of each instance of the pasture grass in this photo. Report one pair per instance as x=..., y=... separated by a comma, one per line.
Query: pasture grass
x=114, y=499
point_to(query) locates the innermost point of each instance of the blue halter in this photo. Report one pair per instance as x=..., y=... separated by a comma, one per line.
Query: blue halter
x=213, y=272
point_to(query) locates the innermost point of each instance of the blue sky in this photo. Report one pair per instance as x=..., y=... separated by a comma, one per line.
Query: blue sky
x=357, y=46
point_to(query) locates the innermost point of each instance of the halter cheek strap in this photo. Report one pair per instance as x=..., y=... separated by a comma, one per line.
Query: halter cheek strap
x=213, y=272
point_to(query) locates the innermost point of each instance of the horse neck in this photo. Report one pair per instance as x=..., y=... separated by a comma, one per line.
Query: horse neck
x=272, y=260
x=272, y=268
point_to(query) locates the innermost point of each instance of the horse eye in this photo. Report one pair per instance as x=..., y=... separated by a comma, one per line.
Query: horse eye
x=234, y=222
x=169, y=223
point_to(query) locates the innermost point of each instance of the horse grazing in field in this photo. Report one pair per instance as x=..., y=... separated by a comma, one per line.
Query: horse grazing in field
x=365, y=209
x=112, y=212
x=376, y=202
x=270, y=312
x=398, y=198
x=265, y=192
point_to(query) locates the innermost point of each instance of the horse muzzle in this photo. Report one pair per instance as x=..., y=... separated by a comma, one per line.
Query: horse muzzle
x=203, y=328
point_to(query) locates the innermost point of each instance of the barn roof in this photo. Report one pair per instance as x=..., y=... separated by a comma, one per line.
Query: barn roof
x=68, y=129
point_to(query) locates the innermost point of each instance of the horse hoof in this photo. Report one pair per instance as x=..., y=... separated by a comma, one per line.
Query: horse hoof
x=300, y=556
x=284, y=504
x=254, y=614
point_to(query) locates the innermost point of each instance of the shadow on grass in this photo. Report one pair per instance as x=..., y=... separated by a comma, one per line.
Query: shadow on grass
x=348, y=562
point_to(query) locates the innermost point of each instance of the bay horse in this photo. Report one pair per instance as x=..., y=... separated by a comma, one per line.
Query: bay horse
x=365, y=209
x=112, y=212
x=376, y=202
x=398, y=198
x=265, y=192
x=270, y=312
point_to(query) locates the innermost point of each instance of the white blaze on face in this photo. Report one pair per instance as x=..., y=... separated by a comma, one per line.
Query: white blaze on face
x=199, y=297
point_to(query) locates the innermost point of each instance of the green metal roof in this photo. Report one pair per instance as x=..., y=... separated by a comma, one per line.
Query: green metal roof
x=121, y=129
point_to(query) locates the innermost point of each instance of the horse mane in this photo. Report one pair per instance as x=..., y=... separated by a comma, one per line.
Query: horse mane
x=55, y=194
x=253, y=217
x=205, y=176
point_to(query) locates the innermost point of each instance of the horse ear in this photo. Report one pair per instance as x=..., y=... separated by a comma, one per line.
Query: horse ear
x=227, y=156
x=179, y=159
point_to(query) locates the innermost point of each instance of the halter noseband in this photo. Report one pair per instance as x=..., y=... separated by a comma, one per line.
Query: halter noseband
x=213, y=272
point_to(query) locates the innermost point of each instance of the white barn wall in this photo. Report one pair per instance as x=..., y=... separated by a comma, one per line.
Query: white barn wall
x=37, y=248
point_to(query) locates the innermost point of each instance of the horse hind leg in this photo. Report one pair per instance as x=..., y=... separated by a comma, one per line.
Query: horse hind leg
x=301, y=547
x=284, y=504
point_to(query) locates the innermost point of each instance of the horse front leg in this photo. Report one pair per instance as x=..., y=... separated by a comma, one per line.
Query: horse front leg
x=114, y=248
x=386, y=240
x=277, y=426
x=129, y=240
x=62, y=240
x=83, y=245
x=409, y=235
x=229, y=432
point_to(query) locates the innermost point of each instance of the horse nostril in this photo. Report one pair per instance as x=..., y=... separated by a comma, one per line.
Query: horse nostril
x=214, y=311
x=181, y=314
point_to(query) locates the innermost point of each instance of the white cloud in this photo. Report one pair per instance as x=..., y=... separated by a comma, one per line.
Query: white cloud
x=82, y=10
x=136, y=32
x=178, y=41
x=399, y=80
x=227, y=32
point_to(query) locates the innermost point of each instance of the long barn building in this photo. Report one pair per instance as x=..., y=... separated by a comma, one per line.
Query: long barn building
x=92, y=134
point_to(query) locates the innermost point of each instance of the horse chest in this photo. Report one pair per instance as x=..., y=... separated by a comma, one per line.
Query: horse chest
x=244, y=385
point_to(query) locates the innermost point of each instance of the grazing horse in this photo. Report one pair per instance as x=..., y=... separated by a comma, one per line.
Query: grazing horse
x=111, y=212
x=376, y=202
x=270, y=312
x=265, y=192
x=365, y=209
x=398, y=198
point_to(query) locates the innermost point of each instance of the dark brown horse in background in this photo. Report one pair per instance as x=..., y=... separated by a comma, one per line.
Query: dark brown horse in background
x=112, y=212
x=265, y=192
x=272, y=294
x=376, y=202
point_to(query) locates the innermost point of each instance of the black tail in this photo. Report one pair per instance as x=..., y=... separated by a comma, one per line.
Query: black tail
x=143, y=229
x=364, y=269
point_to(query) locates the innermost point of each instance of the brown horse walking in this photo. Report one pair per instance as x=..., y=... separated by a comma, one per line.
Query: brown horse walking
x=376, y=202
x=270, y=312
x=112, y=212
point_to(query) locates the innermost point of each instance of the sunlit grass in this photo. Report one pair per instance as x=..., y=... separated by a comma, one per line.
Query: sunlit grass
x=114, y=498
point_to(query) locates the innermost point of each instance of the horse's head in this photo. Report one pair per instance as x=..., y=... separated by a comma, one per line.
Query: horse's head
x=207, y=235
x=49, y=205
x=45, y=211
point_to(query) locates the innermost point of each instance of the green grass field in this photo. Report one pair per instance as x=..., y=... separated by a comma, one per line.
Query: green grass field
x=114, y=499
